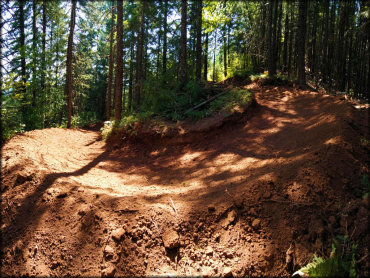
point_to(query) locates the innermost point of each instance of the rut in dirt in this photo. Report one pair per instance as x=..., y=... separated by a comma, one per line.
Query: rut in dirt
x=249, y=191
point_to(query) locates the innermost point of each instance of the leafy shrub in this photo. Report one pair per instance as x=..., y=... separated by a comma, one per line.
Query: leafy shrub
x=341, y=263
x=230, y=100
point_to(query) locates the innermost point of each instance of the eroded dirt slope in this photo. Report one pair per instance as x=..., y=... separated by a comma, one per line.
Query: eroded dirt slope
x=258, y=197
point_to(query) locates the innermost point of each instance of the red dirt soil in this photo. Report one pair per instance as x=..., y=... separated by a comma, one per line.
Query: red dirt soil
x=258, y=197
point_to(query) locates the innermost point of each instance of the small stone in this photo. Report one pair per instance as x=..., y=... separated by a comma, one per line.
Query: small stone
x=256, y=223
x=108, y=252
x=228, y=254
x=209, y=251
x=118, y=234
x=170, y=239
x=229, y=219
x=248, y=238
x=227, y=272
x=109, y=271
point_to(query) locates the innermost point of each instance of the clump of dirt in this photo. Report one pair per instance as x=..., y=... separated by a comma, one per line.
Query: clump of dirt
x=256, y=197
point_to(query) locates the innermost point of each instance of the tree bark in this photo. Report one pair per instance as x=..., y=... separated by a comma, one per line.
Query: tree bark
x=270, y=41
x=110, y=71
x=119, y=64
x=22, y=46
x=69, y=78
x=182, y=54
x=301, y=38
x=139, y=59
x=34, y=51
x=205, y=71
x=165, y=37
x=43, y=56
x=198, y=66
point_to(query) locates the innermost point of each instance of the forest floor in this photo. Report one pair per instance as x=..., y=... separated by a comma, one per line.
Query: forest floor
x=257, y=197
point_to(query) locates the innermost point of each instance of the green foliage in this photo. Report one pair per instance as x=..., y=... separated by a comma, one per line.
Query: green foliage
x=341, y=263
x=230, y=100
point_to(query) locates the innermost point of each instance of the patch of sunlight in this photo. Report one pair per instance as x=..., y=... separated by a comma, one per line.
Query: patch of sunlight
x=186, y=158
x=225, y=158
x=335, y=140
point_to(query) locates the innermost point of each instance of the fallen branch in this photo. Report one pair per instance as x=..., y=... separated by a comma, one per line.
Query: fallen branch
x=205, y=102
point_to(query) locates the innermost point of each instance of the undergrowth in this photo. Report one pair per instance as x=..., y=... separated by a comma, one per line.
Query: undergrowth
x=341, y=262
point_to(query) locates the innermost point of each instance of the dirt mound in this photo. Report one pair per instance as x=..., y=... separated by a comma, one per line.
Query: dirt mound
x=237, y=81
x=161, y=131
x=255, y=198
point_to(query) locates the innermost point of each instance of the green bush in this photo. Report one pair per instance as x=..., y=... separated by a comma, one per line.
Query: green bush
x=341, y=263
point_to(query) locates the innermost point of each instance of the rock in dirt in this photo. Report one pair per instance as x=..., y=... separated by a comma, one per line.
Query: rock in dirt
x=118, y=234
x=231, y=216
x=209, y=251
x=108, y=252
x=256, y=223
x=109, y=271
x=227, y=272
x=170, y=239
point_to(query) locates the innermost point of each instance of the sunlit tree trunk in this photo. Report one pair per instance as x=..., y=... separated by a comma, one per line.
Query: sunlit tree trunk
x=119, y=64
x=110, y=71
x=139, y=59
x=69, y=78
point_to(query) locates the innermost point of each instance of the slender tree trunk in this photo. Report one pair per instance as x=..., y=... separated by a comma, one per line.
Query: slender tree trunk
x=43, y=57
x=263, y=35
x=130, y=88
x=301, y=38
x=182, y=54
x=34, y=51
x=139, y=59
x=270, y=45
x=69, y=78
x=286, y=36
x=198, y=66
x=205, y=71
x=165, y=37
x=225, y=52
x=291, y=33
x=214, y=57
x=110, y=71
x=119, y=64
x=278, y=34
x=23, y=46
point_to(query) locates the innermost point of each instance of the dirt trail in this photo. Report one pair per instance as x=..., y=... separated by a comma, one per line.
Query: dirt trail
x=232, y=202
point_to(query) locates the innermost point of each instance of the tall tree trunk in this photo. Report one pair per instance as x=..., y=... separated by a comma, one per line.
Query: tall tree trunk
x=225, y=52
x=165, y=37
x=139, y=59
x=205, y=70
x=130, y=88
x=290, y=47
x=43, y=56
x=301, y=38
x=270, y=43
x=69, y=79
x=262, y=52
x=278, y=33
x=119, y=64
x=22, y=46
x=34, y=51
x=286, y=36
x=214, y=57
x=198, y=66
x=182, y=54
x=110, y=71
